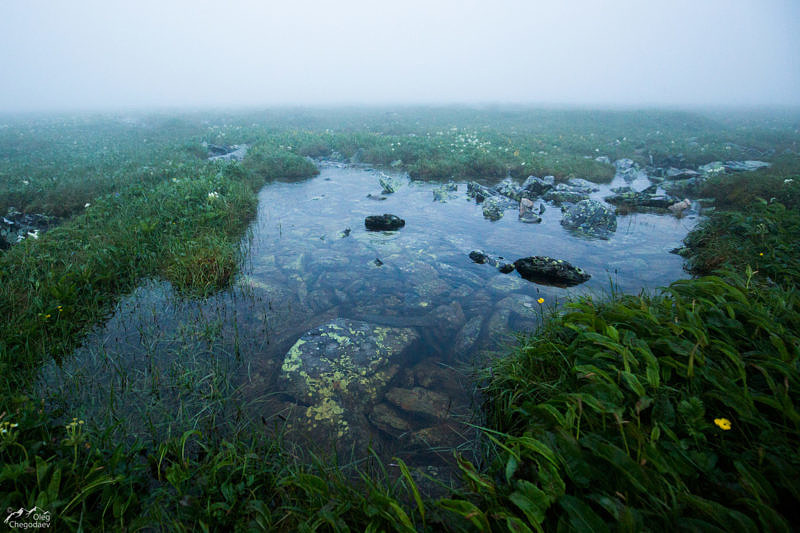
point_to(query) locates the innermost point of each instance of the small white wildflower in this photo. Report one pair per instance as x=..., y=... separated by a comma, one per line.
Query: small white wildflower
x=788, y=181
x=26, y=182
x=86, y=205
x=213, y=194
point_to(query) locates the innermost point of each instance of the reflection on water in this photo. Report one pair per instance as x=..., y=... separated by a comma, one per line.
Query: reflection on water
x=162, y=363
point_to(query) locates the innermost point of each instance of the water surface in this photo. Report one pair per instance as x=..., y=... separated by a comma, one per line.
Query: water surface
x=162, y=362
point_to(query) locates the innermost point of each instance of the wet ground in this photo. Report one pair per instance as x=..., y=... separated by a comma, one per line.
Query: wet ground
x=163, y=363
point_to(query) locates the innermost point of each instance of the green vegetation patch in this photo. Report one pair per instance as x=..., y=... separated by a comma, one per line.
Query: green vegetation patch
x=656, y=412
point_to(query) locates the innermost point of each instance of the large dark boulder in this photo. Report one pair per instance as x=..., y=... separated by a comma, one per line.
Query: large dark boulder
x=385, y=222
x=549, y=271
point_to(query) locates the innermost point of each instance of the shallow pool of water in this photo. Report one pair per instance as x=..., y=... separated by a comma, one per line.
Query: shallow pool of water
x=162, y=362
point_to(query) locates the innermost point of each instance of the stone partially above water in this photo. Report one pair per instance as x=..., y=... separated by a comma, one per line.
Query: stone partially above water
x=563, y=193
x=549, y=271
x=646, y=199
x=388, y=184
x=590, y=218
x=534, y=187
x=385, y=222
x=493, y=208
x=526, y=213
x=444, y=192
x=478, y=256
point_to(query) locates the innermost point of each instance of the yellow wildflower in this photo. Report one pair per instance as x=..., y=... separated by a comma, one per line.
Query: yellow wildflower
x=540, y=300
x=723, y=423
x=761, y=254
x=47, y=316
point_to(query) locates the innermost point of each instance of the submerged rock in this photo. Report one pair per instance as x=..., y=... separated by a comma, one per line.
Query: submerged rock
x=385, y=222
x=386, y=418
x=340, y=367
x=590, y=218
x=467, y=336
x=546, y=270
x=420, y=401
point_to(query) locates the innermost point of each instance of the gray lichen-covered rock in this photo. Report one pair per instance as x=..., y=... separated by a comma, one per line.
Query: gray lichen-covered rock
x=534, y=187
x=509, y=189
x=715, y=167
x=389, y=184
x=673, y=173
x=744, y=166
x=480, y=192
x=562, y=194
x=689, y=187
x=493, y=208
x=590, y=218
x=639, y=200
x=546, y=270
x=582, y=185
x=444, y=192
x=341, y=367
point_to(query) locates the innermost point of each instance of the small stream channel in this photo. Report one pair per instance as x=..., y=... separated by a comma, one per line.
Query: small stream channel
x=163, y=364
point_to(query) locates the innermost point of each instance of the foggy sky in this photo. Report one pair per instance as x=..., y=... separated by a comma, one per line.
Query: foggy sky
x=111, y=54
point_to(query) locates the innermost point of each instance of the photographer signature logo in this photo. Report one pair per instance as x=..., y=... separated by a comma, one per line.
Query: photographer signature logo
x=27, y=518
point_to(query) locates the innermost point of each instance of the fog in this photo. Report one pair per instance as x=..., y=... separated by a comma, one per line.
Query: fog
x=108, y=54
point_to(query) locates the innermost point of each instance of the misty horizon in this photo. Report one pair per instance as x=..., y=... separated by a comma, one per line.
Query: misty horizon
x=93, y=56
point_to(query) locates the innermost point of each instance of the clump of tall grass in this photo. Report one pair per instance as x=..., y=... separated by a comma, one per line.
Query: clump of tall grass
x=677, y=410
